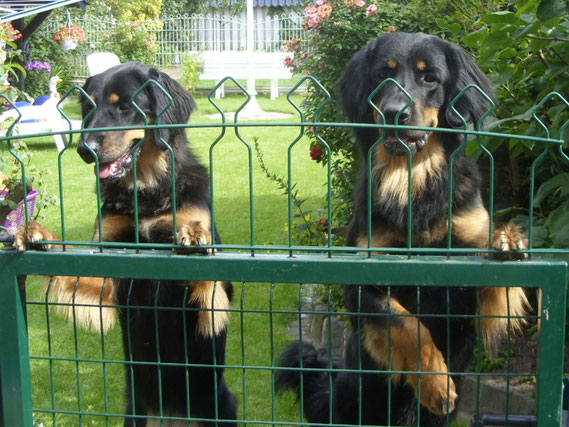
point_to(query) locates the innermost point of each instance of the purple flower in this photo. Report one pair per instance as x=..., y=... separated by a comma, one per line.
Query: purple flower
x=38, y=66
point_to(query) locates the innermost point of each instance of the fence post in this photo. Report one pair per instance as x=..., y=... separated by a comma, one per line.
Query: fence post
x=550, y=363
x=14, y=353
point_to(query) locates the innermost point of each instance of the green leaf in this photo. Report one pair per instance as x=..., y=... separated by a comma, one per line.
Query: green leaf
x=474, y=40
x=549, y=9
x=520, y=32
x=540, y=233
x=445, y=25
x=495, y=41
x=561, y=238
x=559, y=218
x=559, y=182
x=504, y=17
x=508, y=53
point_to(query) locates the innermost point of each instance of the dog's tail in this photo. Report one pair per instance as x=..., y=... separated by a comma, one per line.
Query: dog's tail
x=312, y=386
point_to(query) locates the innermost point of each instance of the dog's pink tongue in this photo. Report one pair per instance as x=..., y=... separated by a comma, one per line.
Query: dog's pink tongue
x=393, y=138
x=105, y=171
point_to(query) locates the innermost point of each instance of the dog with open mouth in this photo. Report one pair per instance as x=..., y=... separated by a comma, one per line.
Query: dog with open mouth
x=411, y=80
x=194, y=333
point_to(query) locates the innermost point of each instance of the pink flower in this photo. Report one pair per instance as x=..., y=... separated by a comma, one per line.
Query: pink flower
x=360, y=3
x=312, y=23
x=320, y=2
x=288, y=61
x=371, y=10
x=310, y=11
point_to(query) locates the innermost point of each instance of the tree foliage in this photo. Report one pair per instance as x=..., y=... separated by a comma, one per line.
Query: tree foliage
x=140, y=10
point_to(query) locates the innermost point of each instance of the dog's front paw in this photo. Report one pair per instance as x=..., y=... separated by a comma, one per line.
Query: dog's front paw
x=438, y=392
x=34, y=232
x=509, y=239
x=194, y=234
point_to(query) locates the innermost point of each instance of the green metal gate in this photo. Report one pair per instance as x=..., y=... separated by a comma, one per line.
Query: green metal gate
x=32, y=362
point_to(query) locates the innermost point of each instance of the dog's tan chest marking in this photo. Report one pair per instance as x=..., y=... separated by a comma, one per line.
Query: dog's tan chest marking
x=152, y=164
x=391, y=173
x=113, y=227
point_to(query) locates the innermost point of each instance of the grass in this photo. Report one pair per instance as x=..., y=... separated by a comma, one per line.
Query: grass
x=255, y=339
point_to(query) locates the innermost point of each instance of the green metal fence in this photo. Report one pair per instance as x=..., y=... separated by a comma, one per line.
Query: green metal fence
x=54, y=373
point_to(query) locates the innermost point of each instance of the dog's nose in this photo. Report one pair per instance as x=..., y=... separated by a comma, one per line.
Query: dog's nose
x=88, y=148
x=391, y=110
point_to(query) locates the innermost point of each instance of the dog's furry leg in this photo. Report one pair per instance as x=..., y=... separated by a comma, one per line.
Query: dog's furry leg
x=213, y=302
x=87, y=300
x=408, y=344
x=502, y=309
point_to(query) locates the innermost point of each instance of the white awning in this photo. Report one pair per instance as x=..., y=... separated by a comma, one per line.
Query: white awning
x=12, y=10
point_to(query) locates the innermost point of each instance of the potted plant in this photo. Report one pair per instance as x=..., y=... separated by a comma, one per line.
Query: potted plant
x=70, y=36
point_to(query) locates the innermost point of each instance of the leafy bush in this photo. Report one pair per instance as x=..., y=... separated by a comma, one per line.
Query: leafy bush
x=192, y=65
x=132, y=42
x=46, y=50
x=525, y=70
x=9, y=54
x=37, y=78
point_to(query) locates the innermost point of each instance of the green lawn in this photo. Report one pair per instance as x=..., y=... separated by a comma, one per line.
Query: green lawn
x=98, y=377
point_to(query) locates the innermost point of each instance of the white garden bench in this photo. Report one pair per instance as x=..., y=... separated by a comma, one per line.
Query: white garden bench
x=266, y=65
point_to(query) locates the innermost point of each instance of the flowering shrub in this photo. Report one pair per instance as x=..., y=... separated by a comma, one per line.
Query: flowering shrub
x=73, y=33
x=132, y=42
x=38, y=66
x=336, y=30
x=37, y=78
x=9, y=33
x=8, y=52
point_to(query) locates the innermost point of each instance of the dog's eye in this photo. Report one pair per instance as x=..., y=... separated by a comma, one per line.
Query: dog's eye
x=124, y=107
x=429, y=78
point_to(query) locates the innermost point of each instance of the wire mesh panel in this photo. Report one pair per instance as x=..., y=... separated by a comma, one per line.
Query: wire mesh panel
x=204, y=329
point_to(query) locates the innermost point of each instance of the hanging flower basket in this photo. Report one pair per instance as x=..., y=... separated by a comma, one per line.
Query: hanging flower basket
x=70, y=36
x=68, y=44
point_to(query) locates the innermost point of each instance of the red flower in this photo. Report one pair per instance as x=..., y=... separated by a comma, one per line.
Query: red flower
x=322, y=225
x=316, y=154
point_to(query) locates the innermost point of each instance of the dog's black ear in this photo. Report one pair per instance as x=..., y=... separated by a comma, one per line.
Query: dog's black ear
x=177, y=113
x=86, y=104
x=355, y=86
x=472, y=105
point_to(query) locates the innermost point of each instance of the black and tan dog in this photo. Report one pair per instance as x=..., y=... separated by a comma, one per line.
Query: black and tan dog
x=183, y=337
x=387, y=330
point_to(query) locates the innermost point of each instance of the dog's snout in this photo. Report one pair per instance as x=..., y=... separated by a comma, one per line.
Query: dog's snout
x=393, y=109
x=89, y=147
